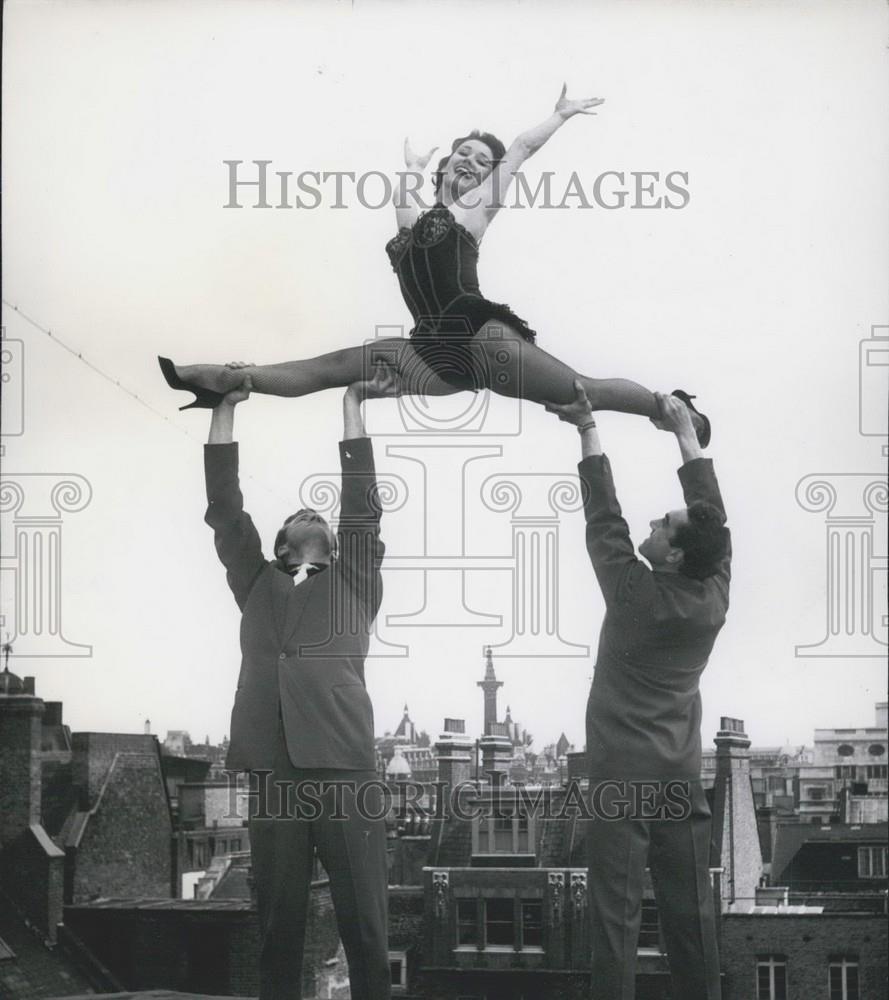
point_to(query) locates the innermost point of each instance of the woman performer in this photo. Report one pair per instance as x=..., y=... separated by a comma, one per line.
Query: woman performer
x=460, y=340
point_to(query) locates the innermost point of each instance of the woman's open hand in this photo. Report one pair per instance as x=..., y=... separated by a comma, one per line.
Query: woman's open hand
x=416, y=161
x=584, y=106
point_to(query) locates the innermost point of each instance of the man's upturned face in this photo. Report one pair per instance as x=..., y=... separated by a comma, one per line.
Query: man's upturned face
x=307, y=535
x=658, y=548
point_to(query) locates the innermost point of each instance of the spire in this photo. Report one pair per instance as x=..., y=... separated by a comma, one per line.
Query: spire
x=489, y=685
x=489, y=666
x=406, y=727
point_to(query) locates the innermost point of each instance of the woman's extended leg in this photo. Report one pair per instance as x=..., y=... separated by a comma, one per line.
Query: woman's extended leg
x=337, y=369
x=516, y=367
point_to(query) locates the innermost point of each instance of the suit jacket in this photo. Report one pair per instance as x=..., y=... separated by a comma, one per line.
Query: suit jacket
x=303, y=646
x=644, y=711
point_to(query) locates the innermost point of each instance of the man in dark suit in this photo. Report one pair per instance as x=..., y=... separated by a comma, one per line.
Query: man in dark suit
x=643, y=721
x=302, y=722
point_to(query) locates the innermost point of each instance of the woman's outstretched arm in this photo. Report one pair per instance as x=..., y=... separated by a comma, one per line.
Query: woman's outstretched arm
x=408, y=184
x=527, y=143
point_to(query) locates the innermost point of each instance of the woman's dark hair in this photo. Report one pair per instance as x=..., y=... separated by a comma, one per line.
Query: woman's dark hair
x=704, y=540
x=498, y=151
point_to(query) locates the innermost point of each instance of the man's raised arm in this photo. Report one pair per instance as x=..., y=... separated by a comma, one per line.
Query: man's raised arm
x=360, y=547
x=696, y=474
x=237, y=540
x=607, y=534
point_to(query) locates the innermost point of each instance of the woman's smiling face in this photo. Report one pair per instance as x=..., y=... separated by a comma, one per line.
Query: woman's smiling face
x=469, y=165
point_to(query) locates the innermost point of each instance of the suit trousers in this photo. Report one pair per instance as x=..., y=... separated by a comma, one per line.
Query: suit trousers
x=678, y=854
x=284, y=836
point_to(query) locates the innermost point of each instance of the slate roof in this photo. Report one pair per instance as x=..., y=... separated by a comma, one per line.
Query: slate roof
x=792, y=836
x=36, y=970
x=233, y=885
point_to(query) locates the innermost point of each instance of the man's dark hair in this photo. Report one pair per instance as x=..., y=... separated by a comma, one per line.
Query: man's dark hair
x=281, y=537
x=704, y=540
x=498, y=151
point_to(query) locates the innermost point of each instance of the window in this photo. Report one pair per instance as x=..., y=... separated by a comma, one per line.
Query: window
x=871, y=862
x=502, y=835
x=845, y=750
x=845, y=770
x=876, y=770
x=398, y=969
x=843, y=979
x=532, y=923
x=771, y=978
x=467, y=922
x=816, y=794
x=876, y=750
x=499, y=923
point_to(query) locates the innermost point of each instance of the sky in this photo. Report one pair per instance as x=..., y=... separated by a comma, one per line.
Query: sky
x=117, y=120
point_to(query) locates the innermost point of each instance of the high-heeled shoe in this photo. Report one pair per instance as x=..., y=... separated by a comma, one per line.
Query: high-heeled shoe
x=702, y=432
x=203, y=398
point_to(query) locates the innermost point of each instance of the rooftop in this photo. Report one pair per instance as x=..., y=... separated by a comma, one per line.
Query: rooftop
x=152, y=995
x=164, y=904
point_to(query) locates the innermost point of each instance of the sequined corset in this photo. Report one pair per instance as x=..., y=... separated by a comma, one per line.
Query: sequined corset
x=436, y=262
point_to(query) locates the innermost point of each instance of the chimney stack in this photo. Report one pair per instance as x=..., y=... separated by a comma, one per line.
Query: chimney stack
x=734, y=817
x=496, y=747
x=453, y=752
x=21, y=731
